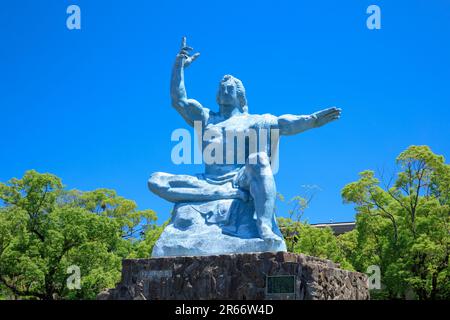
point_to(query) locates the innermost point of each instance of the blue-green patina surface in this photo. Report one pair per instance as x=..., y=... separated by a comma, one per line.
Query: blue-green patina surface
x=230, y=208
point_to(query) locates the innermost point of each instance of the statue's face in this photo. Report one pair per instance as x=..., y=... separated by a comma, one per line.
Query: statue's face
x=228, y=94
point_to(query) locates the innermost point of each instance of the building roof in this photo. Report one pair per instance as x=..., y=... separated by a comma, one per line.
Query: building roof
x=337, y=227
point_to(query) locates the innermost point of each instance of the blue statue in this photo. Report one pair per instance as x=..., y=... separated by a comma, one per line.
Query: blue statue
x=230, y=208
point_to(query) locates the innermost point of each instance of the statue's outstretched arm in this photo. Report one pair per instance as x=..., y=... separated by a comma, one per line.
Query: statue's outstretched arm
x=290, y=124
x=190, y=109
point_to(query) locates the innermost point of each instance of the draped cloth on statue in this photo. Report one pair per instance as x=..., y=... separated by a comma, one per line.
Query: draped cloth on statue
x=208, y=228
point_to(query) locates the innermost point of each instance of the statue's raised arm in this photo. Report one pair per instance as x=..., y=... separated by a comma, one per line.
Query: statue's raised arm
x=190, y=109
x=290, y=124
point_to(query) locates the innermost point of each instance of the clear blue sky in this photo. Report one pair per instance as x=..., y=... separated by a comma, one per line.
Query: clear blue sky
x=92, y=106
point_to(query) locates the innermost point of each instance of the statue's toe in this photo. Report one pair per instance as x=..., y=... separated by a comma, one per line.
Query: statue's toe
x=267, y=234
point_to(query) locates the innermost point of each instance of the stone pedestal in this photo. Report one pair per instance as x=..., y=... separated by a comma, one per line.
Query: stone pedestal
x=251, y=276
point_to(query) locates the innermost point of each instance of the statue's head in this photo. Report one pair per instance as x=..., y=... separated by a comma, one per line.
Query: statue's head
x=231, y=93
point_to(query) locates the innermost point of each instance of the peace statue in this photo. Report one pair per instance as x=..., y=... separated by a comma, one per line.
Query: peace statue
x=230, y=208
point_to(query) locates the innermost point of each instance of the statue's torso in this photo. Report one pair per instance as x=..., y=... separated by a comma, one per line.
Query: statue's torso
x=239, y=136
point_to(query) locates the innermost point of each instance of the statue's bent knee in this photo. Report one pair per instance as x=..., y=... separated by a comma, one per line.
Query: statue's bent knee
x=258, y=161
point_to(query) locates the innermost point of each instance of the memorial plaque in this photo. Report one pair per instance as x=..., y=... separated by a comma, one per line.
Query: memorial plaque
x=280, y=284
x=280, y=287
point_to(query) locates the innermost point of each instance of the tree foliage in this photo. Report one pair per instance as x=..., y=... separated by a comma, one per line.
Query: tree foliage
x=403, y=225
x=44, y=229
x=301, y=237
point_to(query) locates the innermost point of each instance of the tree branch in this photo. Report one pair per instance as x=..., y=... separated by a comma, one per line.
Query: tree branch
x=19, y=292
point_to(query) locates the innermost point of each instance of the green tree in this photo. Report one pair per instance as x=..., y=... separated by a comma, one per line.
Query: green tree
x=301, y=237
x=403, y=226
x=144, y=247
x=44, y=229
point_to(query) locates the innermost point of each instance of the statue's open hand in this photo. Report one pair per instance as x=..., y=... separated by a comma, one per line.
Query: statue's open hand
x=183, y=55
x=327, y=115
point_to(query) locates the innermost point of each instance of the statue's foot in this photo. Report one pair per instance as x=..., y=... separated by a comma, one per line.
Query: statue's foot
x=266, y=233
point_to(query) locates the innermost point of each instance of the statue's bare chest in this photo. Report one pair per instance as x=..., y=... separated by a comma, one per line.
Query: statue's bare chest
x=240, y=133
x=245, y=124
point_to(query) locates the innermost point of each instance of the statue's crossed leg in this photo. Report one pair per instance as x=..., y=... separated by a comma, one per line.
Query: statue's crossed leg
x=186, y=188
x=257, y=179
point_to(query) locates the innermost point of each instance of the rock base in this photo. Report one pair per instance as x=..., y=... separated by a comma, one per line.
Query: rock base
x=251, y=276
